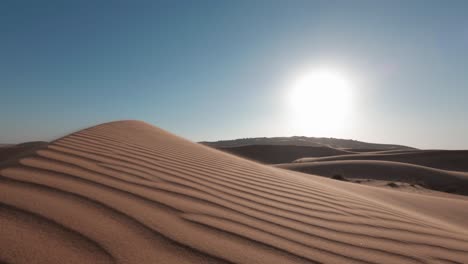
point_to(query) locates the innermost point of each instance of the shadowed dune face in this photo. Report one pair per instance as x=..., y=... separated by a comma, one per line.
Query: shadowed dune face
x=12, y=152
x=456, y=160
x=435, y=179
x=128, y=192
x=271, y=154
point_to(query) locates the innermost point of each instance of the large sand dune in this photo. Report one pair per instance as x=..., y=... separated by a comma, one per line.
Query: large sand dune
x=128, y=192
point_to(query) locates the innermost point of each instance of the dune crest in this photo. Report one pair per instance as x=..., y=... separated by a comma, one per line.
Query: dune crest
x=128, y=192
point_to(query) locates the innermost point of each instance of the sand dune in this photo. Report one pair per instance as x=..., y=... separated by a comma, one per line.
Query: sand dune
x=128, y=192
x=12, y=152
x=435, y=179
x=456, y=160
x=271, y=154
x=337, y=143
x=379, y=151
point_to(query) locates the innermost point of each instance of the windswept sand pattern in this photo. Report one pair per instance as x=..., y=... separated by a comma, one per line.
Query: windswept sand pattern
x=128, y=192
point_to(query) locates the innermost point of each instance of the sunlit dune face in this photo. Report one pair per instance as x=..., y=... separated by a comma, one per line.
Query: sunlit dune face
x=320, y=101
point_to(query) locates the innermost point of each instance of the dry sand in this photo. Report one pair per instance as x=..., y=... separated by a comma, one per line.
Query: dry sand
x=389, y=171
x=128, y=192
x=13, y=152
x=271, y=154
x=456, y=160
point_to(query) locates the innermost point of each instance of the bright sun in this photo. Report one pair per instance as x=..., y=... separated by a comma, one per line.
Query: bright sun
x=321, y=101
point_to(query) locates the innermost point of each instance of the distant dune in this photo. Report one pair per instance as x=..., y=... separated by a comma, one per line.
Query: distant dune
x=456, y=160
x=271, y=154
x=336, y=143
x=128, y=192
x=397, y=150
x=11, y=151
x=435, y=179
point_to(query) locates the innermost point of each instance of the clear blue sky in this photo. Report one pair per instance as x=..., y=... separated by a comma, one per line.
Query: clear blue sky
x=210, y=70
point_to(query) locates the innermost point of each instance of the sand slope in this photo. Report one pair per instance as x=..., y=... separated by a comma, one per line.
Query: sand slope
x=435, y=179
x=271, y=154
x=12, y=152
x=456, y=160
x=128, y=192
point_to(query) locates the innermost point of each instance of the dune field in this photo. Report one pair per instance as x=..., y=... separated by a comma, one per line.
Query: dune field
x=439, y=170
x=129, y=192
x=390, y=171
x=271, y=154
x=453, y=160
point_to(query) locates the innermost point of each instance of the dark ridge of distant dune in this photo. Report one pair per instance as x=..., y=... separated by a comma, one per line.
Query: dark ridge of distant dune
x=11, y=152
x=305, y=141
x=271, y=154
x=455, y=160
x=394, y=151
x=434, y=179
x=360, y=150
x=128, y=192
x=356, y=151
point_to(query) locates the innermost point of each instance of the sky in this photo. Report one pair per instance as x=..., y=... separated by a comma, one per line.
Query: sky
x=210, y=70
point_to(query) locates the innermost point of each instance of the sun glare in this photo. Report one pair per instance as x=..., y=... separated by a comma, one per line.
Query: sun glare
x=321, y=101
